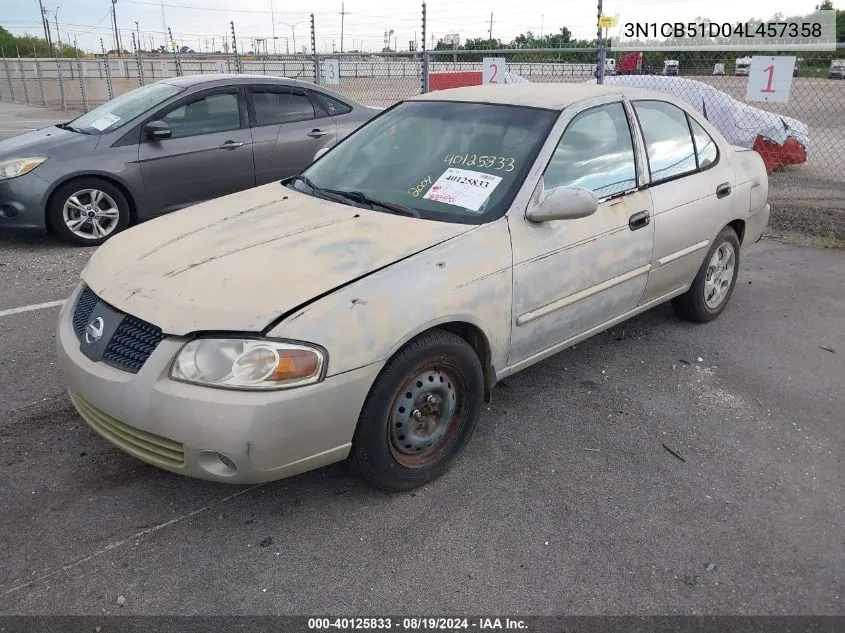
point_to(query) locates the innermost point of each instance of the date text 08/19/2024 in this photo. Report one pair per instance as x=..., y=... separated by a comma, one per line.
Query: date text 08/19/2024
x=417, y=624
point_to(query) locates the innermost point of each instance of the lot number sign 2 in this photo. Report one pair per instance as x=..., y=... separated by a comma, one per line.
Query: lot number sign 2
x=770, y=78
x=493, y=70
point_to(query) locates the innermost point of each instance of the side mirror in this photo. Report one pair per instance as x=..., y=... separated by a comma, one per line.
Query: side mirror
x=563, y=203
x=157, y=130
x=320, y=152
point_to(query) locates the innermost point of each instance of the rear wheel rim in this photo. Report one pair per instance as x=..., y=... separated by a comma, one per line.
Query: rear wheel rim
x=719, y=276
x=427, y=415
x=91, y=214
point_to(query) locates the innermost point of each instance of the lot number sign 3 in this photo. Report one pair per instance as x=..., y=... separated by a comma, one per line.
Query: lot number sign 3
x=770, y=78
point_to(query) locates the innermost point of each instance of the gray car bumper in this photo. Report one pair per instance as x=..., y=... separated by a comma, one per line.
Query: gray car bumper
x=22, y=202
x=185, y=428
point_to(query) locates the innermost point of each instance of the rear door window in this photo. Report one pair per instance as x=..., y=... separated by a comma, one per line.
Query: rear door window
x=668, y=139
x=273, y=106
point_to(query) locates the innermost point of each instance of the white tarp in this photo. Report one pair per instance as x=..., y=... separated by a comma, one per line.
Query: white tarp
x=738, y=122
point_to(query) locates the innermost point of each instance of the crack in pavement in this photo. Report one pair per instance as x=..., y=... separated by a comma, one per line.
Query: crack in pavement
x=137, y=535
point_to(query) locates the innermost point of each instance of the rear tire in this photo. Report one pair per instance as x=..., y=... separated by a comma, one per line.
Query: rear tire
x=87, y=211
x=420, y=413
x=715, y=282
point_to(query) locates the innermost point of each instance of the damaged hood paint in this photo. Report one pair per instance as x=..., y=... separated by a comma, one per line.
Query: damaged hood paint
x=238, y=262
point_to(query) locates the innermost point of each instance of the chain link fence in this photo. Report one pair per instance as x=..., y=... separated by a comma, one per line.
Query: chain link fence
x=802, y=140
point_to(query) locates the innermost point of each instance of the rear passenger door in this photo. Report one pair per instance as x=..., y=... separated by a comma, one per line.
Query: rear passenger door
x=208, y=155
x=287, y=130
x=691, y=186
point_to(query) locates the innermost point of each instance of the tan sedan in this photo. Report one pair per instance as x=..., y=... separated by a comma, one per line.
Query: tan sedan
x=367, y=307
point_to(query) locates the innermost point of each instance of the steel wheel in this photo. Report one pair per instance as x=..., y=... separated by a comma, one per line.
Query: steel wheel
x=426, y=414
x=91, y=214
x=720, y=275
x=420, y=412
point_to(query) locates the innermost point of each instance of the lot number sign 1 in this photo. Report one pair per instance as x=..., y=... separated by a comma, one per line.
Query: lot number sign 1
x=493, y=70
x=770, y=78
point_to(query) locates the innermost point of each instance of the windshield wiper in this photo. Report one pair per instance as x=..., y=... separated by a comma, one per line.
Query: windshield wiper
x=361, y=198
x=357, y=196
x=66, y=126
x=306, y=180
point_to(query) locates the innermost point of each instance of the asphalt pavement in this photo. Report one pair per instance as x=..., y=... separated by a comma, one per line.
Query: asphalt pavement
x=658, y=468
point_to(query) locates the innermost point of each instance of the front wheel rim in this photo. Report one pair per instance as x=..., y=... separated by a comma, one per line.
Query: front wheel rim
x=91, y=214
x=719, y=276
x=427, y=415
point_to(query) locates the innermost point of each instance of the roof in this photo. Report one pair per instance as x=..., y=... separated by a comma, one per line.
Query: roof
x=226, y=78
x=552, y=96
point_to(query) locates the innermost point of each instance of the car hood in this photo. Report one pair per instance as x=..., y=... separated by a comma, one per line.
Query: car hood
x=239, y=262
x=38, y=142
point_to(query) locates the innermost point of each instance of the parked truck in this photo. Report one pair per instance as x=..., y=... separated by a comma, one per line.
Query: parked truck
x=670, y=66
x=630, y=64
x=837, y=69
x=743, y=64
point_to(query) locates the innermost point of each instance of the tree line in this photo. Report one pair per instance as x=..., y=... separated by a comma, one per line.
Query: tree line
x=30, y=45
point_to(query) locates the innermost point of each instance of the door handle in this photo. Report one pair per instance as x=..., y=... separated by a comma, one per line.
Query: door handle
x=316, y=133
x=723, y=190
x=639, y=220
x=230, y=145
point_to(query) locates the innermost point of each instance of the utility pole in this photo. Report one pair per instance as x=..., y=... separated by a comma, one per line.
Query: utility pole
x=490, y=33
x=46, y=24
x=343, y=13
x=163, y=25
x=118, y=46
x=273, y=26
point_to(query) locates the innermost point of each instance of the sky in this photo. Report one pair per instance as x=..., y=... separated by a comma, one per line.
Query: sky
x=202, y=24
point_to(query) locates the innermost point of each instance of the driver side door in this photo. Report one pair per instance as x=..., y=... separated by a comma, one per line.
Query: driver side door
x=208, y=155
x=573, y=275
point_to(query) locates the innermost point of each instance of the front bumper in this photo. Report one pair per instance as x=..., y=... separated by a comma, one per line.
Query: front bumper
x=185, y=428
x=23, y=202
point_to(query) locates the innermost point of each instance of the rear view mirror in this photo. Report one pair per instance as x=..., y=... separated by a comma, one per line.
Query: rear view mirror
x=563, y=203
x=320, y=152
x=157, y=130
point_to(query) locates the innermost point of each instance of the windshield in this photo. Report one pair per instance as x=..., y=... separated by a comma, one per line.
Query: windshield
x=449, y=161
x=112, y=114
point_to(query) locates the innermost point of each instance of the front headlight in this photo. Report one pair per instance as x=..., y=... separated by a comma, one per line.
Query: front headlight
x=242, y=363
x=19, y=166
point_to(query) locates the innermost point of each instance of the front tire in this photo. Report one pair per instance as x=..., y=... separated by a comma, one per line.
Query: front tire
x=420, y=413
x=714, y=284
x=87, y=211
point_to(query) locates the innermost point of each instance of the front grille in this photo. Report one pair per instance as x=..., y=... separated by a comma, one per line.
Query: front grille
x=132, y=343
x=84, y=307
x=148, y=447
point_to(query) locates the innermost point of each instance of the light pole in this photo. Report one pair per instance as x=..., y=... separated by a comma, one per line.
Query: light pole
x=58, y=34
x=292, y=32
